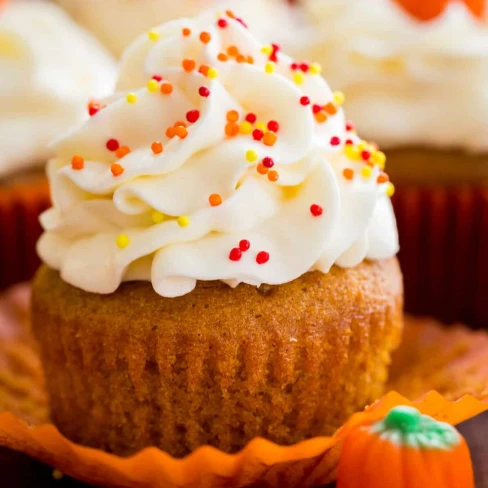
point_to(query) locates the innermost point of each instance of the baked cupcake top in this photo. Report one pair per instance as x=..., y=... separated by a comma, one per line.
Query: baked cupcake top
x=49, y=68
x=218, y=158
x=415, y=73
x=118, y=22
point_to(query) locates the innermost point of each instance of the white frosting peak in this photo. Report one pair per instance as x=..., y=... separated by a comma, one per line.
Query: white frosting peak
x=49, y=69
x=175, y=209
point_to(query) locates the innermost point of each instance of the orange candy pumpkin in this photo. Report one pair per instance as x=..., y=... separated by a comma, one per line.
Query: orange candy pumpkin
x=405, y=450
x=430, y=9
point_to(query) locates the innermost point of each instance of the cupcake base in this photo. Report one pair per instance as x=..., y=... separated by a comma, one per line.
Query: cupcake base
x=218, y=366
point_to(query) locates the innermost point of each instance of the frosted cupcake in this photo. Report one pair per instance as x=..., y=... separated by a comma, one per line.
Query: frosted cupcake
x=49, y=71
x=220, y=253
x=118, y=22
x=415, y=75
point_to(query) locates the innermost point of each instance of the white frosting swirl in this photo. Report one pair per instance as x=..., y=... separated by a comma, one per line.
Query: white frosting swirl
x=94, y=210
x=49, y=68
x=118, y=22
x=407, y=82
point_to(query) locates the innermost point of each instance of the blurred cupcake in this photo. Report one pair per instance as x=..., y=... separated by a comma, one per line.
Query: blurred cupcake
x=220, y=254
x=118, y=22
x=49, y=71
x=415, y=75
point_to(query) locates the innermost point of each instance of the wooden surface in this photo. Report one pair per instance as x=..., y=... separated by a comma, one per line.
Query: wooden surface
x=18, y=470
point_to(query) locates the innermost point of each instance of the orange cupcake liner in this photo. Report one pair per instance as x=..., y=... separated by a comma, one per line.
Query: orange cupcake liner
x=450, y=360
x=20, y=207
x=443, y=241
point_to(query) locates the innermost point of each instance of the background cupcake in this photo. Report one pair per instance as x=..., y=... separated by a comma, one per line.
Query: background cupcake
x=49, y=70
x=415, y=77
x=220, y=253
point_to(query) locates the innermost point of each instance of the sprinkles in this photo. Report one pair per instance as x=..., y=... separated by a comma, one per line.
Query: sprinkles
x=235, y=254
x=262, y=257
x=153, y=35
x=192, y=116
x=131, y=98
x=215, y=200
x=251, y=156
x=122, y=241
x=348, y=174
x=157, y=147
x=166, y=88
x=189, y=64
x=122, y=151
x=183, y=221
x=77, y=162
x=152, y=86
x=157, y=217
x=316, y=210
x=244, y=245
x=203, y=91
x=116, y=169
x=112, y=145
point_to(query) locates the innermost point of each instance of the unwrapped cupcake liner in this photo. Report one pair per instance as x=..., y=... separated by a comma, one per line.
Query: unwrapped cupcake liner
x=449, y=360
x=20, y=207
x=443, y=251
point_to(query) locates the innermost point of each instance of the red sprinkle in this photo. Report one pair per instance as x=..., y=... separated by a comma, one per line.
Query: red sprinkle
x=157, y=78
x=268, y=162
x=222, y=23
x=304, y=67
x=365, y=155
x=203, y=91
x=112, y=145
x=93, y=110
x=251, y=118
x=349, y=141
x=349, y=125
x=192, y=116
x=316, y=210
x=257, y=134
x=316, y=108
x=262, y=257
x=244, y=245
x=294, y=66
x=305, y=101
x=335, y=141
x=235, y=254
x=273, y=126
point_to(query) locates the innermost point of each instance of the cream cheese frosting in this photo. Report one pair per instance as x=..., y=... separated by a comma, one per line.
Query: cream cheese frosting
x=407, y=82
x=218, y=158
x=49, y=68
x=118, y=22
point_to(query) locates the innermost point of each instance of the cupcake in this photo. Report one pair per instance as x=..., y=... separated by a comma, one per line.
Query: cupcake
x=49, y=71
x=118, y=22
x=220, y=254
x=415, y=76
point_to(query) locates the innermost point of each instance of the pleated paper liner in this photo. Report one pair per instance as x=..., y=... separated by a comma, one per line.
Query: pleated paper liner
x=431, y=357
x=443, y=251
x=20, y=207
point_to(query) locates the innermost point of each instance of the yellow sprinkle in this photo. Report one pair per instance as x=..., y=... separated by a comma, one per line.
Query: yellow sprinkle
x=267, y=50
x=298, y=77
x=122, y=240
x=153, y=35
x=157, y=217
x=251, y=155
x=261, y=126
x=362, y=145
x=183, y=221
x=367, y=171
x=131, y=98
x=152, y=86
x=270, y=67
x=245, y=127
x=352, y=152
x=390, y=189
x=339, y=97
x=212, y=73
x=379, y=158
x=315, y=69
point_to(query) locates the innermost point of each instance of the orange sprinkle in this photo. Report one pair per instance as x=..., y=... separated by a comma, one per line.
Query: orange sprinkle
x=188, y=65
x=348, y=173
x=250, y=60
x=382, y=178
x=186, y=32
x=241, y=58
x=232, y=116
x=179, y=123
x=230, y=14
x=273, y=176
x=181, y=131
x=170, y=132
x=330, y=108
x=157, y=147
x=222, y=57
x=269, y=139
x=122, y=151
x=77, y=162
x=204, y=69
x=205, y=37
x=215, y=199
x=262, y=170
x=231, y=129
x=116, y=169
x=320, y=117
x=166, y=88
x=232, y=51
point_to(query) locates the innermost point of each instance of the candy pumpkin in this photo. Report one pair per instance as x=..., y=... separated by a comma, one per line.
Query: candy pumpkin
x=405, y=450
x=430, y=9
